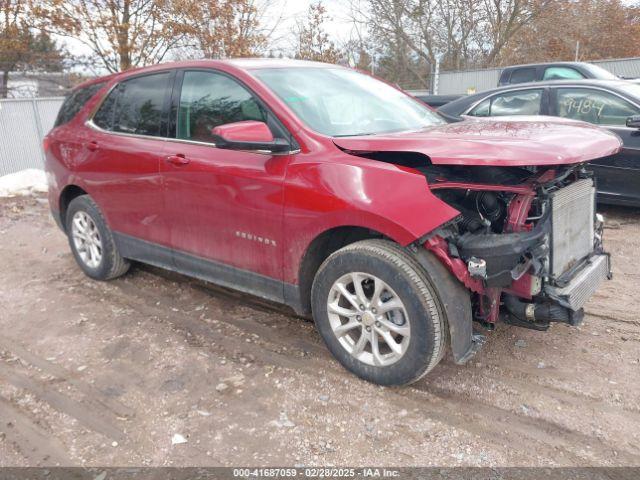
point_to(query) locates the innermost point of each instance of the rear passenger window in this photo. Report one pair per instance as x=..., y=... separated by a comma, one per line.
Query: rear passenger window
x=135, y=106
x=523, y=75
x=210, y=99
x=75, y=101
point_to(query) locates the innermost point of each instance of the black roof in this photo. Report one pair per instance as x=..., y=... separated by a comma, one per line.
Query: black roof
x=546, y=64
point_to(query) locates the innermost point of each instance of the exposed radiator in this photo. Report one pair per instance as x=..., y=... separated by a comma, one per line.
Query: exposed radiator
x=572, y=218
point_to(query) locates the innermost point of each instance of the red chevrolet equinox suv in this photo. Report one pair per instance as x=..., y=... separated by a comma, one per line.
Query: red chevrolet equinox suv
x=330, y=191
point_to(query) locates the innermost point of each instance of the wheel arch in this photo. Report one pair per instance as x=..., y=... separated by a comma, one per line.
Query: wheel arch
x=319, y=249
x=67, y=194
x=329, y=235
x=454, y=297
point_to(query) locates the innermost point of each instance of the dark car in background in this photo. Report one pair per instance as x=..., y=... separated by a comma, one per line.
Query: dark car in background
x=434, y=101
x=539, y=72
x=612, y=104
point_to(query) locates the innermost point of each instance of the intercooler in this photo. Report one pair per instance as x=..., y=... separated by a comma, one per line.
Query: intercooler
x=572, y=225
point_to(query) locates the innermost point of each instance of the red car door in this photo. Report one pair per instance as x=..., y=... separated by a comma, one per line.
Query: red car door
x=224, y=207
x=124, y=147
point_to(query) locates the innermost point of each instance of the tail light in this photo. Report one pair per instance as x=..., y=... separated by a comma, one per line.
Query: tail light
x=46, y=143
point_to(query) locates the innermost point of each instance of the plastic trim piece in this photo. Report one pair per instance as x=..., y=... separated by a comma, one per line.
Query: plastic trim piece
x=456, y=303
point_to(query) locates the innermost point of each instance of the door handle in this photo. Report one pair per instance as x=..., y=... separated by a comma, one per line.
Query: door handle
x=92, y=146
x=178, y=159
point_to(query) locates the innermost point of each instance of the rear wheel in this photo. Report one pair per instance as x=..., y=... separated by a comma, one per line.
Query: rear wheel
x=378, y=313
x=91, y=241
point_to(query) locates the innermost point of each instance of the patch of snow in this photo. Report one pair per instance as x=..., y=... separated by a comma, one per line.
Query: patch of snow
x=24, y=182
x=177, y=439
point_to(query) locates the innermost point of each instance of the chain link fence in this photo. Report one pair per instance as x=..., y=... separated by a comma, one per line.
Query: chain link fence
x=23, y=125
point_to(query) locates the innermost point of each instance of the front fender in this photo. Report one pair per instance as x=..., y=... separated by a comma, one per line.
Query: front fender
x=386, y=198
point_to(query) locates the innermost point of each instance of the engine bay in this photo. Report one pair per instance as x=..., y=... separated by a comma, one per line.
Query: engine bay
x=504, y=240
x=512, y=243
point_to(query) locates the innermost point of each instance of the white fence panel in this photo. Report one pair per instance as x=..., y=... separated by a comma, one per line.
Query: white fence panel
x=462, y=82
x=625, y=67
x=23, y=125
x=469, y=81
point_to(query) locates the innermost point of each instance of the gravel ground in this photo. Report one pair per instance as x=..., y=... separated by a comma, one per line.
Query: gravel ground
x=158, y=369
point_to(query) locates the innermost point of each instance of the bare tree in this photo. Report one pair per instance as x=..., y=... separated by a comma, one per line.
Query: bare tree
x=21, y=46
x=312, y=41
x=590, y=29
x=121, y=34
x=458, y=33
x=223, y=28
x=14, y=39
x=358, y=54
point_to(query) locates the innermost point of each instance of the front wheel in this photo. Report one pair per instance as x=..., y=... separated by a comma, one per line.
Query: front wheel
x=378, y=313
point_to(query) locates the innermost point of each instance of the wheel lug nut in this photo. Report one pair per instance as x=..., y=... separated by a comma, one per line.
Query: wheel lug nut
x=377, y=324
x=359, y=318
x=361, y=307
x=373, y=310
x=368, y=329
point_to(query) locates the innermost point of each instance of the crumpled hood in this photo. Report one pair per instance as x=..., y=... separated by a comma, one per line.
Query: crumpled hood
x=501, y=141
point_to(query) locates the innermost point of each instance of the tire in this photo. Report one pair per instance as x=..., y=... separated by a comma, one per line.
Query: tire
x=108, y=264
x=385, y=265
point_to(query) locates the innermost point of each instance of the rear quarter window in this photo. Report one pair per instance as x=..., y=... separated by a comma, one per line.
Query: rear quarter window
x=504, y=77
x=75, y=101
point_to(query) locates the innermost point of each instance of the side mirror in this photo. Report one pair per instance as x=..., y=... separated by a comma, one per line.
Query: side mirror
x=633, y=121
x=248, y=135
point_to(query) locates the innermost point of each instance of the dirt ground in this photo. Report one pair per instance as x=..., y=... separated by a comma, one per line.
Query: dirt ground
x=101, y=374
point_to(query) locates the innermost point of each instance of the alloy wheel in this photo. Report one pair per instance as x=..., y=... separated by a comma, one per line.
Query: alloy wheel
x=86, y=238
x=369, y=319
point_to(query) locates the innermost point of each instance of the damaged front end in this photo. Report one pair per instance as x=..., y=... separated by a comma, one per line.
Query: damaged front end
x=528, y=243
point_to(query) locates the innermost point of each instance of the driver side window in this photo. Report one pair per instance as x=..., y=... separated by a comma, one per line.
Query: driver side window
x=593, y=106
x=209, y=99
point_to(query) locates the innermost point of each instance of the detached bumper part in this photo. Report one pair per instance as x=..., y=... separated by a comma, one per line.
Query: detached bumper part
x=584, y=283
x=477, y=341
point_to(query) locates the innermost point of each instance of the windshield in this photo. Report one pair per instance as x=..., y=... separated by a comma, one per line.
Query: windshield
x=600, y=73
x=339, y=102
